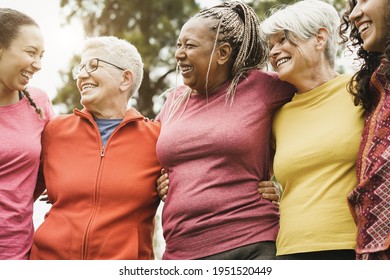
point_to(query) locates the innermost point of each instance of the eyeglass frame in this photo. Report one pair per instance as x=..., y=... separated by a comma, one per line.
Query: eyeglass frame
x=78, y=68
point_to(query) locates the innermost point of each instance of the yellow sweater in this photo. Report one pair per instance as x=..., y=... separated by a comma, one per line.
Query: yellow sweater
x=317, y=137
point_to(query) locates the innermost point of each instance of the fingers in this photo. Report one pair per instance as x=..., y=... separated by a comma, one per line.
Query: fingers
x=276, y=203
x=162, y=193
x=162, y=178
x=266, y=184
x=266, y=187
x=268, y=190
x=163, y=185
x=271, y=197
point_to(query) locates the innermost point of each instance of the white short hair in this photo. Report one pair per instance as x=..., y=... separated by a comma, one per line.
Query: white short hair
x=303, y=19
x=121, y=53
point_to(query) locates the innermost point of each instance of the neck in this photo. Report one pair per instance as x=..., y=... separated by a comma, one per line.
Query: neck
x=314, y=79
x=210, y=90
x=109, y=115
x=8, y=97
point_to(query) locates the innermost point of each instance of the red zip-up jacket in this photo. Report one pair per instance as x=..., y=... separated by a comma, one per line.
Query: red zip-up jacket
x=104, y=198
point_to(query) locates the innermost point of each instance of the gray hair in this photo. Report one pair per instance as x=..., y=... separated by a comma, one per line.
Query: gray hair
x=303, y=19
x=122, y=53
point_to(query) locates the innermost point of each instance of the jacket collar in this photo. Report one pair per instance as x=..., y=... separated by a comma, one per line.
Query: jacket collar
x=131, y=115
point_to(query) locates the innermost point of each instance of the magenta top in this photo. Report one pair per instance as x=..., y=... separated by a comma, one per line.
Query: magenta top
x=215, y=155
x=20, y=148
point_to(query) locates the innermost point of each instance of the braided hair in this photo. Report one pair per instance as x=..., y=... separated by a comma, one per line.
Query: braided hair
x=38, y=110
x=10, y=22
x=238, y=25
x=370, y=61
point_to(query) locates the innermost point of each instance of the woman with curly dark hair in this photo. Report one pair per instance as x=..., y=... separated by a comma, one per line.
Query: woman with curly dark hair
x=368, y=26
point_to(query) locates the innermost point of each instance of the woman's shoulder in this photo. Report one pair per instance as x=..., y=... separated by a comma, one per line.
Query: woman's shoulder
x=37, y=93
x=269, y=80
x=41, y=98
x=174, y=92
x=268, y=75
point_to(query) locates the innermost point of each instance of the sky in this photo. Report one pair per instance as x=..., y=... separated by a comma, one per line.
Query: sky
x=62, y=39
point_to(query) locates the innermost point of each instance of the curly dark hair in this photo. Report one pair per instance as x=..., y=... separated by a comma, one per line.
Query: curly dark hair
x=359, y=85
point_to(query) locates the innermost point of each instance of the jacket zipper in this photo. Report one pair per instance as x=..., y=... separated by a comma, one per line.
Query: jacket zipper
x=84, y=252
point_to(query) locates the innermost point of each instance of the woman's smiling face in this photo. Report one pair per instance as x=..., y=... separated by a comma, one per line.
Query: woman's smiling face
x=196, y=55
x=369, y=17
x=292, y=58
x=22, y=59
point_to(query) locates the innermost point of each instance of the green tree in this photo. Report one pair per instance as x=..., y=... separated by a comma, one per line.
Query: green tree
x=152, y=26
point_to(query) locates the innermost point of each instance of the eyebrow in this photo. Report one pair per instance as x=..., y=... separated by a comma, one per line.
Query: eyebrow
x=35, y=48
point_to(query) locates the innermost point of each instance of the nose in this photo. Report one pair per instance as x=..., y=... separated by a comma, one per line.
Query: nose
x=37, y=64
x=81, y=73
x=180, y=53
x=274, y=52
x=356, y=13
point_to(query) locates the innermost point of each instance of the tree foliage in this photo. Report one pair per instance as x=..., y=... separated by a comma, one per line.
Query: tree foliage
x=152, y=26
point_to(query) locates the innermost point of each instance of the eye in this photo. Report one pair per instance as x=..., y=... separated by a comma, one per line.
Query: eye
x=190, y=46
x=178, y=45
x=31, y=53
x=92, y=64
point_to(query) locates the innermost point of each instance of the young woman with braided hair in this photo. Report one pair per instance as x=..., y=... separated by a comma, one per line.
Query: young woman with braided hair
x=23, y=115
x=214, y=141
x=369, y=26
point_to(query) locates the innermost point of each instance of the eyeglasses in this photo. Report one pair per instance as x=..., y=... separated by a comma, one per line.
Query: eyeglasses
x=91, y=66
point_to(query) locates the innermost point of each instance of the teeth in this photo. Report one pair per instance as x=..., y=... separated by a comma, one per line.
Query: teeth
x=364, y=27
x=27, y=75
x=88, y=86
x=185, y=68
x=280, y=62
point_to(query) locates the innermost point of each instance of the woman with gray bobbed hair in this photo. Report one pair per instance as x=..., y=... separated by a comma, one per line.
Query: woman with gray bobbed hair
x=317, y=134
x=99, y=164
x=303, y=20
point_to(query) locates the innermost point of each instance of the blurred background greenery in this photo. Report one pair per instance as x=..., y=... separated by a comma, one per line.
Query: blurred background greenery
x=153, y=27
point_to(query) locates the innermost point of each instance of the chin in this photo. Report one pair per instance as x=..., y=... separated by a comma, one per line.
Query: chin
x=283, y=76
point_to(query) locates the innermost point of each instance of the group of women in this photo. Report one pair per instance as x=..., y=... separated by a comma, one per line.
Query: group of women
x=324, y=136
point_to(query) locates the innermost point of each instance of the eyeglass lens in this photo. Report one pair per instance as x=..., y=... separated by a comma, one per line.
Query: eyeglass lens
x=89, y=67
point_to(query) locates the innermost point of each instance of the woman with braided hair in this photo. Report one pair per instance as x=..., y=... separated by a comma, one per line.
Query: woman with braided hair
x=23, y=115
x=214, y=140
x=369, y=26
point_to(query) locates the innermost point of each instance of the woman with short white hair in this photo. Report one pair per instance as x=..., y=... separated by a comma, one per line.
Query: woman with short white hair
x=100, y=164
x=317, y=134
